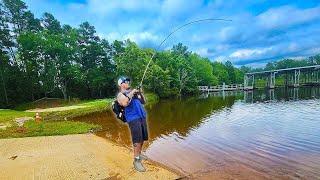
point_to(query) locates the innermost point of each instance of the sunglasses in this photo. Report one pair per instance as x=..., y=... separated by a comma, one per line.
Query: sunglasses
x=126, y=81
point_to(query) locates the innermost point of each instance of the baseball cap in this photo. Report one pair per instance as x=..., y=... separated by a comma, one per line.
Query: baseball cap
x=122, y=80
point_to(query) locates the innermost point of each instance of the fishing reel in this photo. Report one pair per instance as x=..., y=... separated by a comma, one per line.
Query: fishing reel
x=139, y=91
x=139, y=95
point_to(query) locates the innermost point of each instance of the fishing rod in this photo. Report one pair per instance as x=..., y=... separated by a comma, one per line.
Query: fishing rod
x=174, y=31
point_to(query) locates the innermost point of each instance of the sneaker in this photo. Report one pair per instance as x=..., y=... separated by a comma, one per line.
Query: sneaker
x=143, y=157
x=138, y=165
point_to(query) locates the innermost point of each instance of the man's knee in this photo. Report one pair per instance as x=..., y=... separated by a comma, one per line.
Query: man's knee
x=137, y=144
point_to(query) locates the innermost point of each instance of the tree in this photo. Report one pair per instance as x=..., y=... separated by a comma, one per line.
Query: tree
x=180, y=49
x=108, y=69
x=133, y=61
x=315, y=60
x=20, y=19
x=270, y=66
x=93, y=57
x=51, y=24
x=203, y=71
x=245, y=69
x=31, y=57
x=220, y=71
x=231, y=72
x=160, y=79
x=5, y=44
x=16, y=10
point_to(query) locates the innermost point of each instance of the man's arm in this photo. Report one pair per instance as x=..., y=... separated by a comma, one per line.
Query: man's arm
x=123, y=100
x=142, y=98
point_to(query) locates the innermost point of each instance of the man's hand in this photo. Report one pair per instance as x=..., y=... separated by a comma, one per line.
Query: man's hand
x=134, y=91
x=140, y=90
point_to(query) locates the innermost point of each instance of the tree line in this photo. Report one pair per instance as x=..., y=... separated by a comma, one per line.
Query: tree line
x=40, y=57
x=285, y=63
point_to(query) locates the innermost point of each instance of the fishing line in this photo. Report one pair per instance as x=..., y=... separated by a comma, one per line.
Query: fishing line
x=174, y=31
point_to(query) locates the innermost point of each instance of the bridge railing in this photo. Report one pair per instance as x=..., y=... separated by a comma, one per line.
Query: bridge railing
x=221, y=87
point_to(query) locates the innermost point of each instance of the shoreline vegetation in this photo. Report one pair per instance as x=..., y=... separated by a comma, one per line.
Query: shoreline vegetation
x=55, y=120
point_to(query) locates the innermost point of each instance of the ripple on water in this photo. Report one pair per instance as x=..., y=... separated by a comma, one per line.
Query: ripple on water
x=275, y=139
x=229, y=137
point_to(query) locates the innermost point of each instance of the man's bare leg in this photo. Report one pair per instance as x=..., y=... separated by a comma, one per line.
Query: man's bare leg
x=137, y=161
x=137, y=149
x=142, y=156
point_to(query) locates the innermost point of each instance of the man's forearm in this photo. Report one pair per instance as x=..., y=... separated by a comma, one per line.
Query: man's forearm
x=131, y=94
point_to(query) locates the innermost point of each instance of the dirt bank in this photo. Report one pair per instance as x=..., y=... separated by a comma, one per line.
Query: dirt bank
x=83, y=156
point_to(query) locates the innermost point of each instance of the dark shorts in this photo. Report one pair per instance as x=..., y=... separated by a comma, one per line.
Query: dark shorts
x=139, y=130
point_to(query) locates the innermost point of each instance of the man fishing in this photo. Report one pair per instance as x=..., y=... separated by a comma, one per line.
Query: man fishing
x=134, y=112
x=135, y=115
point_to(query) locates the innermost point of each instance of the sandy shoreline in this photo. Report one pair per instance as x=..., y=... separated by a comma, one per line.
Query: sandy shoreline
x=82, y=156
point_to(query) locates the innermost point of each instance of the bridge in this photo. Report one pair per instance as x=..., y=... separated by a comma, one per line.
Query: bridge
x=231, y=87
x=293, y=77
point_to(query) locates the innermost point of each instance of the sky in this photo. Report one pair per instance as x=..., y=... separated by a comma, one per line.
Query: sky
x=261, y=31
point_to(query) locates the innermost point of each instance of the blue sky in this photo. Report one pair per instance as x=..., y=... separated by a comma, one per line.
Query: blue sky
x=260, y=31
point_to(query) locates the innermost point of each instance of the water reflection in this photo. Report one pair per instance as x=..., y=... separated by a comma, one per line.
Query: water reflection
x=181, y=116
x=267, y=135
x=281, y=94
x=235, y=135
x=168, y=116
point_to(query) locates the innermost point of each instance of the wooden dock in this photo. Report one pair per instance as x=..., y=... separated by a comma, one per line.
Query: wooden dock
x=231, y=87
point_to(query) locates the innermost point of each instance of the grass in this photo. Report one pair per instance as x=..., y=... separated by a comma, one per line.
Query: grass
x=7, y=115
x=31, y=128
x=53, y=123
x=86, y=108
x=47, y=103
x=56, y=121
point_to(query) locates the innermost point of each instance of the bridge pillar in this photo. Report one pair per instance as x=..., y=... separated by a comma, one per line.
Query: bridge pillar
x=296, y=78
x=245, y=81
x=252, y=84
x=272, y=80
x=286, y=84
x=295, y=93
x=271, y=94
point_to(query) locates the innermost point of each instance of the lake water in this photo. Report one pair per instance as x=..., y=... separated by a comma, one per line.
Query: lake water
x=265, y=134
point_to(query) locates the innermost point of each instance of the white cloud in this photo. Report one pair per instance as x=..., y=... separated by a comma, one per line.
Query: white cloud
x=287, y=16
x=180, y=8
x=226, y=33
x=257, y=64
x=296, y=57
x=293, y=47
x=103, y=7
x=111, y=36
x=203, y=52
x=249, y=53
x=221, y=59
x=222, y=47
x=140, y=37
x=77, y=6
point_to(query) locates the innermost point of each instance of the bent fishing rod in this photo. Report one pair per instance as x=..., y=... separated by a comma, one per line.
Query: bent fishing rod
x=174, y=31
